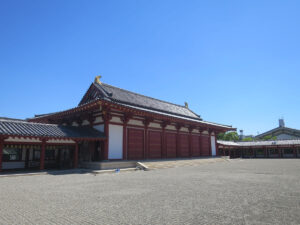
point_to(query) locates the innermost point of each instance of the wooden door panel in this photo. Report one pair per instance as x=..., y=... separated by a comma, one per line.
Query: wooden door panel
x=155, y=146
x=135, y=142
x=171, y=145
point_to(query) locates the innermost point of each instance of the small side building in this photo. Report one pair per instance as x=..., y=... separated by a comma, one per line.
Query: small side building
x=260, y=149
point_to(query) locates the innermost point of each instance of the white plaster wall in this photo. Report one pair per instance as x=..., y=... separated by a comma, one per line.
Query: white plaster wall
x=135, y=122
x=116, y=119
x=184, y=129
x=99, y=127
x=205, y=132
x=170, y=127
x=98, y=119
x=13, y=165
x=195, y=131
x=23, y=140
x=154, y=125
x=74, y=124
x=115, y=145
x=213, y=146
x=85, y=122
x=53, y=141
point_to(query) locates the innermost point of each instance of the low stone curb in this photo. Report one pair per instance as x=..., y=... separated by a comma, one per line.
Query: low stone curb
x=112, y=171
x=81, y=171
x=142, y=166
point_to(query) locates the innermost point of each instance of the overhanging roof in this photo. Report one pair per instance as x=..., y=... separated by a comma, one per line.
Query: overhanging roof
x=10, y=127
x=259, y=143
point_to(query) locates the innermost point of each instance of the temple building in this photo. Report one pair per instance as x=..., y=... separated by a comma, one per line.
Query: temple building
x=281, y=132
x=108, y=124
x=282, y=142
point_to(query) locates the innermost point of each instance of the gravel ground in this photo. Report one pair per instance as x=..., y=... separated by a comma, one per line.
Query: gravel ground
x=252, y=191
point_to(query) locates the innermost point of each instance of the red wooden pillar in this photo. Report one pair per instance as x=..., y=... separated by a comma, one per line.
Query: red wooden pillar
x=146, y=125
x=106, y=118
x=210, y=151
x=200, y=141
x=125, y=141
x=42, y=155
x=163, y=140
x=75, y=159
x=217, y=147
x=91, y=120
x=106, y=131
x=279, y=152
x=1, y=152
x=146, y=155
x=125, y=120
x=190, y=141
x=178, y=127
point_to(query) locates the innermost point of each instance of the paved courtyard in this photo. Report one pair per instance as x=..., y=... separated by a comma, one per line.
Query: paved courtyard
x=252, y=191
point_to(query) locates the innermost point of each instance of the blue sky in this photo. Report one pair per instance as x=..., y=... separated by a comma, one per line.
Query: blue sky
x=234, y=62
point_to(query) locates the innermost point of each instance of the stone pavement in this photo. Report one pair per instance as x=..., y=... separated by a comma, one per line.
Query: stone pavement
x=180, y=162
x=240, y=191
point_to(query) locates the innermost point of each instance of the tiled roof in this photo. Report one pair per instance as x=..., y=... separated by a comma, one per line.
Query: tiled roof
x=119, y=95
x=22, y=128
x=260, y=143
x=179, y=117
x=280, y=130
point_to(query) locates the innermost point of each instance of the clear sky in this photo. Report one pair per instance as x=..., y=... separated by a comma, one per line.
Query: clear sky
x=234, y=62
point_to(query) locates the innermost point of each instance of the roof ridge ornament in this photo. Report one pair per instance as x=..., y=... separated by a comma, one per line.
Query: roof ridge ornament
x=97, y=79
x=186, y=105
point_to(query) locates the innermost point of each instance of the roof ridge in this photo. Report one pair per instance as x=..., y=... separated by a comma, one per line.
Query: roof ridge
x=61, y=111
x=274, y=129
x=148, y=97
x=24, y=121
x=280, y=140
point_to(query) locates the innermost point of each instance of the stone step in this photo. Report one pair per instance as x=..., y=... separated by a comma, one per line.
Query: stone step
x=108, y=165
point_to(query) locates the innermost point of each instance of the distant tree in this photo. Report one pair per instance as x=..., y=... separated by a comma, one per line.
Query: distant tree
x=248, y=139
x=221, y=136
x=269, y=138
x=229, y=136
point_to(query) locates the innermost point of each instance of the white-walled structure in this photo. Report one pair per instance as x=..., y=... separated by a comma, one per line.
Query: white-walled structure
x=115, y=144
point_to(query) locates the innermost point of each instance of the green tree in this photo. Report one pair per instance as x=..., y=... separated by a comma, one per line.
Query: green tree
x=248, y=139
x=221, y=136
x=269, y=138
x=229, y=136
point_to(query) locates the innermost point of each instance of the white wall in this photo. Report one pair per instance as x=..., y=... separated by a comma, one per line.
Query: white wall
x=116, y=119
x=53, y=141
x=16, y=139
x=135, y=122
x=213, y=146
x=99, y=127
x=115, y=145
